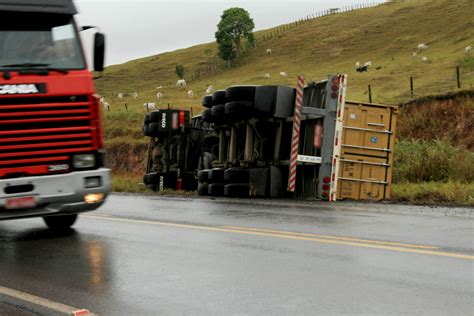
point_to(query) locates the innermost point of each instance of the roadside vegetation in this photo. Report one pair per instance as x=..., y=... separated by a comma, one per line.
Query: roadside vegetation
x=435, y=136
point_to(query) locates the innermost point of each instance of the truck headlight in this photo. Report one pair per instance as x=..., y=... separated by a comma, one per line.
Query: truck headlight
x=83, y=161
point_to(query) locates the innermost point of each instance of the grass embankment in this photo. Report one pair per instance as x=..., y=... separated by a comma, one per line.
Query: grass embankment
x=387, y=35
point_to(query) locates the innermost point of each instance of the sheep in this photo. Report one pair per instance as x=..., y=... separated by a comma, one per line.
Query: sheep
x=120, y=96
x=269, y=51
x=190, y=93
x=106, y=106
x=210, y=90
x=424, y=58
x=135, y=95
x=283, y=74
x=149, y=106
x=159, y=96
x=181, y=83
x=422, y=46
x=362, y=68
x=368, y=64
x=357, y=64
x=468, y=50
x=266, y=76
x=415, y=54
x=159, y=87
x=102, y=100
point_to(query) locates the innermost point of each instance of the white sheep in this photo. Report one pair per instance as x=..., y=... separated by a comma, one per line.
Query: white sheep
x=283, y=74
x=368, y=64
x=266, y=76
x=210, y=90
x=468, y=50
x=149, y=106
x=415, y=54
x=269, y=51
x=106, y=106
x=181, y=83
x=135, y=95
x=422, y=46
x=424, y=58
x=357, y=64
x=120, y=96
x=159, y=96
x=190, y=93
x=102, y=100
x=159, y=87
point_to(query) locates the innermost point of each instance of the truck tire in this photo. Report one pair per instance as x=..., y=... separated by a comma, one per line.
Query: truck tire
x=203, y=189
x=203, y=175
x=218, y=114
x=216, y=175
x=236, y=175
x=60, y=222
x=240, y=93
x=207, y=101
x=216, y=189
x=207, y=116
x=238, y=110
x=219, y=97
x=237, y=190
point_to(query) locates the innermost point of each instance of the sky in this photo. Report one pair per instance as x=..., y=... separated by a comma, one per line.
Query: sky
x=139, y=28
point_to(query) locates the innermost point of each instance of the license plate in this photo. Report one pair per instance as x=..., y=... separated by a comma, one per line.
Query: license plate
x=20, y=203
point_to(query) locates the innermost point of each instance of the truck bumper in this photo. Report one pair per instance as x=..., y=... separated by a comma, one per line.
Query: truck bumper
x=56, y=194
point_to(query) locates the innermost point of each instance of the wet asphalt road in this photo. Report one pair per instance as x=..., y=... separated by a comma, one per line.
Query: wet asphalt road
x=150, y=256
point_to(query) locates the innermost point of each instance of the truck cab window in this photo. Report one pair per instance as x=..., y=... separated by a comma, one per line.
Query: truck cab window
x=52, y=41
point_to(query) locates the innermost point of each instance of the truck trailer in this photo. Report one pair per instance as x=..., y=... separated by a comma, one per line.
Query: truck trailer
x=51, y=147
x=247, y=143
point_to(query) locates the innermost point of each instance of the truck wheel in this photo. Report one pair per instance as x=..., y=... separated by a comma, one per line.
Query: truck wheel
x=203, y=175
x=238, y=110
x=218, y=114
x=203, y=189
x=240, y=93
x=236, y=175
x=207, y=116
x=216, y=175
x=216, y=189
x=218, y=97
x=237, y=190
x=60, y=222
x=207, y=101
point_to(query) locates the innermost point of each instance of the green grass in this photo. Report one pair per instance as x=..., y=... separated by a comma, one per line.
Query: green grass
x=432, y=161
x=434, y=193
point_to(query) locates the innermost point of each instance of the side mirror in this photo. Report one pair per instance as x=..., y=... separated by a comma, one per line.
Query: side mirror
x=99, y=51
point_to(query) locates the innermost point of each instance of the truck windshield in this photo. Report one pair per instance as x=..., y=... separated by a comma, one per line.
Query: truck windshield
x=39, y=40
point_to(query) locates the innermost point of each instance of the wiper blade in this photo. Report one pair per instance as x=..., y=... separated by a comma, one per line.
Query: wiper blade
x=22, y=65
x=32, y=68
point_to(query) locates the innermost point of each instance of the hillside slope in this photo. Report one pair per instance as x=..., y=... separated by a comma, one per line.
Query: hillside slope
x=386, y=35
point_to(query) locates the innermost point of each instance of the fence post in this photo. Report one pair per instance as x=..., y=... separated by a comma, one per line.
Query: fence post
x=370, y=94
x=126, y=107
x=411, y=87
x=458, y=77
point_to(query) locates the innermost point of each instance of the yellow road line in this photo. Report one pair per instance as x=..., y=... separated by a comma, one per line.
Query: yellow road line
x=368, y=241
x=287, y=236
x=39, y=301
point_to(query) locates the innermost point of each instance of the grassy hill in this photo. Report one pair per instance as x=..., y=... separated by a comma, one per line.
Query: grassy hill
x=386, y=35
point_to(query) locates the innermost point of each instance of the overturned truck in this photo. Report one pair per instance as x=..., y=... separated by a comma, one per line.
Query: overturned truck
x=241, y=145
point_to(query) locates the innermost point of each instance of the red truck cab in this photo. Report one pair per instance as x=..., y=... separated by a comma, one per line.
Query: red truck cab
x=51, y=158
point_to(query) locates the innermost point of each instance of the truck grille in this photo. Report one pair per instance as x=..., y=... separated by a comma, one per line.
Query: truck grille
x=38, y=132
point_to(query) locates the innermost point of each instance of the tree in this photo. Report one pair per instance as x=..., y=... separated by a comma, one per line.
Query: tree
x=180, y=71
x=235, y=25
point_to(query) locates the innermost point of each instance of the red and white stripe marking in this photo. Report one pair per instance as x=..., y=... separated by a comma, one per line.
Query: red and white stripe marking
x=295, y=139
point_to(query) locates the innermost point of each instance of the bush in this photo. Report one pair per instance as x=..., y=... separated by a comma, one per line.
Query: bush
x=427, y=161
